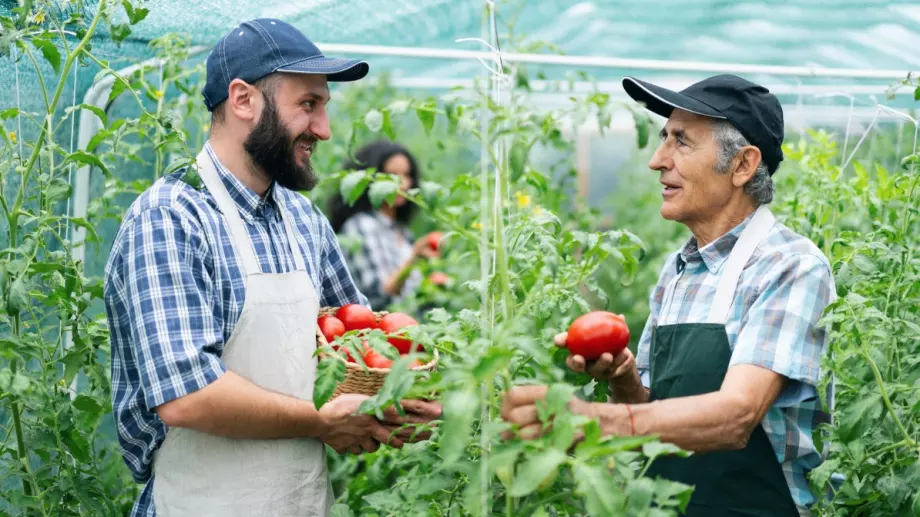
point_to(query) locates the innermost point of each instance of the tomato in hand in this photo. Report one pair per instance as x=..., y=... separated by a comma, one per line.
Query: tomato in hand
x=434, y=240
x=331, y=327
x=595, y=333
x=373, y=359
x=356, y=317
x=392, y=323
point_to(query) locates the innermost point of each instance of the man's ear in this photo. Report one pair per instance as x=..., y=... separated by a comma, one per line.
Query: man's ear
x=745, y=164
x=244, y=100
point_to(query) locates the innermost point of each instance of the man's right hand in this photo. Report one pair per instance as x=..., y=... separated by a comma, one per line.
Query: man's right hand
x=616, y=369
x=345, y=430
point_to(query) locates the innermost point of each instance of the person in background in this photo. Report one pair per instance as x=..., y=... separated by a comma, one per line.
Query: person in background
x=384, y=264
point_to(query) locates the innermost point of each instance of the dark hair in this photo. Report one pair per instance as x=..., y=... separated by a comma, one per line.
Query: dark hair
x=267, y=84
x=374, y=154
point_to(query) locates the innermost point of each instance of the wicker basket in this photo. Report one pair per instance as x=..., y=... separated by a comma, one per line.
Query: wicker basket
x=357, y=378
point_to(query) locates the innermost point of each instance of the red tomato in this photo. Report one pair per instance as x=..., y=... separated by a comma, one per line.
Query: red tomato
x=438, y=278
x=331, y=327
x=597, y=332
x=392, y=323
x=373, y=359
x=356, y=317
x=434, y=240
x=348, y=356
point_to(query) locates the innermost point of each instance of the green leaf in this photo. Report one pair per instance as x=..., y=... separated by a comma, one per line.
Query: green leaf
x=655, y=449
x=118, y=87
x=57, y=190
x=517, y=159
x=77, y=445
x=19, y=384
x=382, y=190
x=387, y=126
x=426, y=115
x=859, y=417
x=639, y=494
x=73, y=361
x=535, y=470
x=459, y=414
x=18, y=297
x=431, y=192
x=493, y=362
x=670, y=493
x=341, y=510
x=120, y=32
x=353, y=185
x=864, y=263
x=96, y=110
x=330, y=372
x=9, y=113
x=85, y=158
x=135, y=14
x=917, y=98
x=643, y=123
x=87, y=405
x=374, y=120
x=598, y=488
x=49, y=51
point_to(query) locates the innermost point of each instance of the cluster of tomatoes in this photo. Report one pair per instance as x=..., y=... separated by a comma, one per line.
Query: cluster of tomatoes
x=358, y=317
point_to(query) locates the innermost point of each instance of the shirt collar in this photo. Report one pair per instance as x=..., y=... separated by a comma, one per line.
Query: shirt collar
x=714, y=254
x=250, y=204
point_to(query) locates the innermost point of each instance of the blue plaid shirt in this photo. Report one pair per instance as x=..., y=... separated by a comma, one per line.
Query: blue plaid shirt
x=174, y=290
x=781, y=295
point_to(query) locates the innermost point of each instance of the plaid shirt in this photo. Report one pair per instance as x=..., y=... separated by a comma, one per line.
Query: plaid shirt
x=375, y=248
x=174, y=289
x=780, y=297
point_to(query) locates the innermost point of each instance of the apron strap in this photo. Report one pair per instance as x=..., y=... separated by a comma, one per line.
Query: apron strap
x=292, y=239
x=241, y=240
x=747, y=242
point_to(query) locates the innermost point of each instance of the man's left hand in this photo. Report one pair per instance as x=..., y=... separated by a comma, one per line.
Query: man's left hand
x=520, y=409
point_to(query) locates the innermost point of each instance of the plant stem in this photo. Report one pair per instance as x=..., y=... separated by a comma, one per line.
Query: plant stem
x=41, y=78
x=51, y=108
x=885, y=399
x=17, y=425
x=889, y=447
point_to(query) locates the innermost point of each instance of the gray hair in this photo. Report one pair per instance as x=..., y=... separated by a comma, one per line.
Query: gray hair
x=730, y=141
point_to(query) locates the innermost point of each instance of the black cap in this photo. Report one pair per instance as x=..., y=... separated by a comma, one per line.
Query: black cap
x=751, y=108
x=263, y=46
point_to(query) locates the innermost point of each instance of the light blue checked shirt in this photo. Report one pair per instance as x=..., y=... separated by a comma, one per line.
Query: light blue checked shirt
x=174, y=290
x=781, y=295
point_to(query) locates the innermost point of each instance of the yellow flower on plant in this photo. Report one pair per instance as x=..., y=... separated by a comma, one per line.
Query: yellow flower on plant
x=13, y=137
x=523, y=200
x=158, y=94
x=477, y=226
x=39, y=17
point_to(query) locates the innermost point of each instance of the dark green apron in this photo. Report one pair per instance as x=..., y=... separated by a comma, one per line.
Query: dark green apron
x=689, y=359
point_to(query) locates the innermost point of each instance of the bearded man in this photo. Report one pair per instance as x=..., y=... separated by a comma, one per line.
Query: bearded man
x=212, y=291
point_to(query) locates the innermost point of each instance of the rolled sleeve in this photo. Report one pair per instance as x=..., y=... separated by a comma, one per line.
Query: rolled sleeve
x=779, y=331
x=176, y=335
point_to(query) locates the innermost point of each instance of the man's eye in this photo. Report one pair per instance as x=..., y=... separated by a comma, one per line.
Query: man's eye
x=309, y=105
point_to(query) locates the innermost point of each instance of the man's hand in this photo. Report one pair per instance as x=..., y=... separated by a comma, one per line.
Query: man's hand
x=519, y=408
x=346, y=430
x=619, y=370
x=412, y=427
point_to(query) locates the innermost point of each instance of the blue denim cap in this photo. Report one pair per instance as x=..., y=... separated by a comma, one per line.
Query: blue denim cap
x=264, y=46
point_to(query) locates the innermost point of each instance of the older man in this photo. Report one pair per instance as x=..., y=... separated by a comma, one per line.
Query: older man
x=728, y=363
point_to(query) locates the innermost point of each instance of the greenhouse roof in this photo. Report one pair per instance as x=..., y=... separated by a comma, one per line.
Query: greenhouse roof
x=658, y=35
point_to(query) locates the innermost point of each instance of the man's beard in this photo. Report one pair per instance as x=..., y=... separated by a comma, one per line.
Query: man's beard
x=271, y=148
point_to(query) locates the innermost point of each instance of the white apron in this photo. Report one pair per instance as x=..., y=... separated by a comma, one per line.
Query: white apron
x=272, y=345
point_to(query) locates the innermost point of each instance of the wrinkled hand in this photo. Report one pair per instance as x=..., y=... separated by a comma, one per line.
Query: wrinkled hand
x=412, y=427
x=607, y=367
x=343, y=429
x=519, y=407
